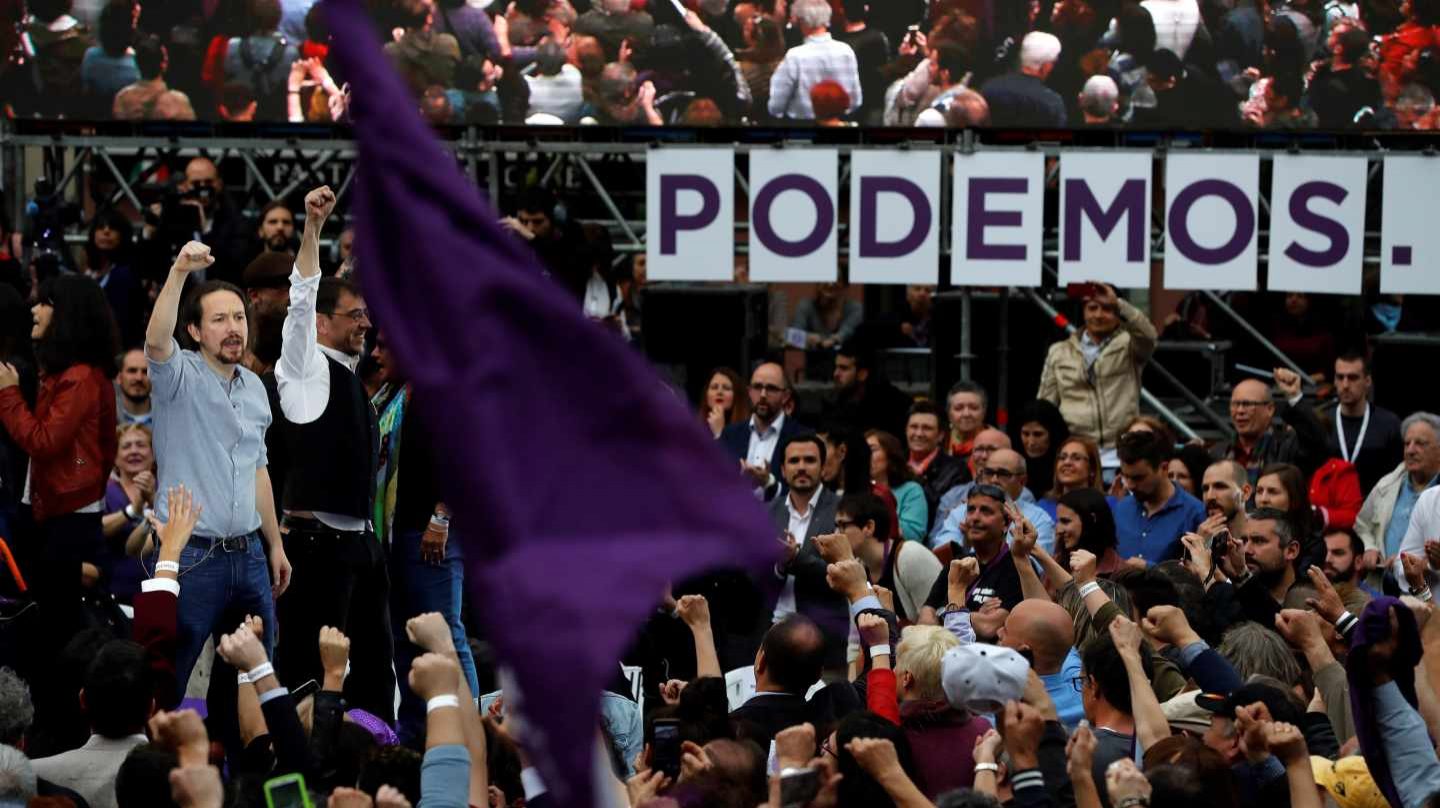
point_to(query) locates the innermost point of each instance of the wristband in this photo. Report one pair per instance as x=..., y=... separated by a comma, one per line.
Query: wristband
x=1087, y=588
x=261, y=671
x=993, y=768
x=1424, y=594
x=167, y=566
x=242, y=678
x=1130, y=802
x=879, y=650
x=130, y=512
x=440, y=522
x=441, y=702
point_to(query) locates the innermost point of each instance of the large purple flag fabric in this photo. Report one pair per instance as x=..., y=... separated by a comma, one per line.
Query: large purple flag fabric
x=579, y=482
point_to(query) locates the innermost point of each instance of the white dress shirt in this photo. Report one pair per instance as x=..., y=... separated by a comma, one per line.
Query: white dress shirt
x=303, y=373
x=1424, y=526
x=763, y=443
x=798, y=527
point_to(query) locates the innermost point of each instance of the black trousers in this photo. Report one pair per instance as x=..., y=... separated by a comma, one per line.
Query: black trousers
x=338, y=579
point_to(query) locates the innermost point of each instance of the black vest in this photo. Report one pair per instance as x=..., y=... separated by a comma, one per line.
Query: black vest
x=330, y=462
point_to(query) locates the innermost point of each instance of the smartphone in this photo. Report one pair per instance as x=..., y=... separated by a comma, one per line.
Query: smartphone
x=287, y=791
x=310, y=688
x=665, y=752
x=912, y=34
x=1219, y=545
x=1081, y=291
x=798, y=787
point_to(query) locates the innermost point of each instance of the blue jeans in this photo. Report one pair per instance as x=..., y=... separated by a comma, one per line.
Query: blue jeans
x=417, y=587
x=217, y=590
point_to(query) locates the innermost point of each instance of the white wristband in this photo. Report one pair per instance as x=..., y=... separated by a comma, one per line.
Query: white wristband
x=879, y=650
x=167, y=566
x=441, y=702
x=242, y=678
x=1087, y=588
x=261, y=671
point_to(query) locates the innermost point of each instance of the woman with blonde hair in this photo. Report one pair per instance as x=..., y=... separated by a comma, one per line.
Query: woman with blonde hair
x=129, y=492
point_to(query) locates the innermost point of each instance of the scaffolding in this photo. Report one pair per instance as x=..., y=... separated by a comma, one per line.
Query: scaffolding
x=601, y=175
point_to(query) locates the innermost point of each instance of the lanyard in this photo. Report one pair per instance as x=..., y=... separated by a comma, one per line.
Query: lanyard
x=1345, y=452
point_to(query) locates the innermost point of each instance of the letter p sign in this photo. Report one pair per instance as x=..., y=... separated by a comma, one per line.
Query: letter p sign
x=689, y=220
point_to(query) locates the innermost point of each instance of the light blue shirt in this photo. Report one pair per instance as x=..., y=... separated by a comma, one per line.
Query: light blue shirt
x=210, y=437
x=1061, y=687
x=1405, y=501
x=1044, y=526
x=1408, y=750
x=956, y=497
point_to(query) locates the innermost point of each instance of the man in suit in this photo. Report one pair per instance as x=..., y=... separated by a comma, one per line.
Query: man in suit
x=807, y=510
x=788, y=663
x=756, y=443
x=117, y=699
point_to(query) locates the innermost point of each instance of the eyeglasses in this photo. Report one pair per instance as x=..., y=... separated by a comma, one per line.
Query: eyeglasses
x=1247, y=405
x=1078, y=682
x=353, y=314
x=997, y=474
x=771, y=389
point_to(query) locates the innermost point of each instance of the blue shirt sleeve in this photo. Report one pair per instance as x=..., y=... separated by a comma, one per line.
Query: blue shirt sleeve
x=1408, y=750
x=950, y=531
x=445, y=777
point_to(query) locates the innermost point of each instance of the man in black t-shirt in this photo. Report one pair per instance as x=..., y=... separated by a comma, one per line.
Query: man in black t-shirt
x=1366, y=435
x=985, y=528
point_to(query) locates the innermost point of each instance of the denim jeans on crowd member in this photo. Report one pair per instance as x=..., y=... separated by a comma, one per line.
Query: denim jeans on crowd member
x=417, y=587
x=339, y=579
x=218, y=588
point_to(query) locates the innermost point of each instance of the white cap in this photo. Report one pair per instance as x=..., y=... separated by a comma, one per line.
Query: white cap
x=981, y=678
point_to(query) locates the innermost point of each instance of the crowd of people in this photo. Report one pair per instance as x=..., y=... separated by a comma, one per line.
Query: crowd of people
x=200, y=483
x=1156, y=64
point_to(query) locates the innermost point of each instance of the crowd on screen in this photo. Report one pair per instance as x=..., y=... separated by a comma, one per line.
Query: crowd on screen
x=1042, y=64
x=202, y=439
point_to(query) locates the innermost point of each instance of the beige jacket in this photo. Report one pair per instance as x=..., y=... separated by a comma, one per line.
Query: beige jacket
x=1097, y=409
x=1374, y=516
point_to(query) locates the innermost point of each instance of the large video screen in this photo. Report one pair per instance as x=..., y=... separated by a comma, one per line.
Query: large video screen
x=1213, y=65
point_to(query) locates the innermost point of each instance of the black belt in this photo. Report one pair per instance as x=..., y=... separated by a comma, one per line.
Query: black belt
x=227, y=544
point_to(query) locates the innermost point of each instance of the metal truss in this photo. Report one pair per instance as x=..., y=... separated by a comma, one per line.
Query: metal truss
x=602, y=181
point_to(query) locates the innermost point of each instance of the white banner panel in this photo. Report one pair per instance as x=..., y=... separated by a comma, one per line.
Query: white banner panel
x=793, y=204
x=1105, y=218
x=1317, y=224
x=690, y=214
x=895, y=217
x=998, y=219
x=1211, y=223
x=1409, y=235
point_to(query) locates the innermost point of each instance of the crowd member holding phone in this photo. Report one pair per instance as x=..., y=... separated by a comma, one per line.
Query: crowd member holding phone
x=1093, y=376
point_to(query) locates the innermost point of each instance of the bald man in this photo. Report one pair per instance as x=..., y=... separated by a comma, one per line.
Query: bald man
x=756, y=444
x=1260, y=439
x=1004, y=469
x=986, y=441
x=1043, y=632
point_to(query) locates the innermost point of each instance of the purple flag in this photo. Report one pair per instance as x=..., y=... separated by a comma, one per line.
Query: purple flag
x=580, y=483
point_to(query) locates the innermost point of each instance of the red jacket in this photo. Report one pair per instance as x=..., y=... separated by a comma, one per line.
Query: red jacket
x=1399, y=52
x=70, y=438
x=1335, y=491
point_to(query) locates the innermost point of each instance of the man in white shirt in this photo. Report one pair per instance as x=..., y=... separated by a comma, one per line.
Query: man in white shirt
x=820, y=58
x=326, y=441
x=806, y=511
x=756, y=443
